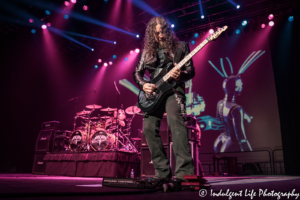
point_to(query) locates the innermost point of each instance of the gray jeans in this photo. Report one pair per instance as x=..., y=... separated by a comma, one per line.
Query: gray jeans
x=181, y=148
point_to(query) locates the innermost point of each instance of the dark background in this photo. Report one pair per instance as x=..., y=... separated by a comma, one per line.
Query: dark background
x=36, y=88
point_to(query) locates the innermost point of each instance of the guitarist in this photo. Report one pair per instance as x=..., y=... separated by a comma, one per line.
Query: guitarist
x=161, y=48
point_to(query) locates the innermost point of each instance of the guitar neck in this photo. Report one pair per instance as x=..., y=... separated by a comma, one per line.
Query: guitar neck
x=187, y=58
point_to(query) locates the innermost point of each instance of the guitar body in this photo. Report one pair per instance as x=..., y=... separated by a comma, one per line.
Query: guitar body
x=149, y=102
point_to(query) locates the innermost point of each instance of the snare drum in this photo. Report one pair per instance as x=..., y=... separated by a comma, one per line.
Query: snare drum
x=102, y=140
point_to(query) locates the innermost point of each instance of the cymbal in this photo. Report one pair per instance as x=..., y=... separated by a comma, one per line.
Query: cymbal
x=82, y=117
x=106, y=117
x=108, y=109
x=84, y=112
x=93, y=106
x=132, y=110
x=136, y=139
x=94, y=118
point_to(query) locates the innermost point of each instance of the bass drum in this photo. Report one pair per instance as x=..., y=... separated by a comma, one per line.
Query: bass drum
x=102, y=140
x=76, y=140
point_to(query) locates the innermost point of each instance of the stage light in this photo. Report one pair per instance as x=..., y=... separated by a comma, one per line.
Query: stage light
x=115, y=42
x=48, y=24
x=202, y=16
x=44, y=26
x=92, y=49
x=263, y=26
x=105, y=64
x=196, y=35
x=131, y=52
x=31, y=20
x=211, y=31
x=172, y=25
x=137, y=36
x=271, y=16
x=193, y=42
x=99, y=60
x=237, y=31
x=126, y=59
x=66, y=16
x=106, y=1
x=67, y=3
x=85, y=7
x=47, y=12
x=73, y=1
x=96, y=66
x=271, y=23
x=244, y=23
x=291, y=18
x=110, y=63
x=238, y=7
x=137, y=51
x=114, y=56
x=33, y=31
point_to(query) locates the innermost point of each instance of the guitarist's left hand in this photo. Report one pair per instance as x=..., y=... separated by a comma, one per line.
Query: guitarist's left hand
x=175, y=73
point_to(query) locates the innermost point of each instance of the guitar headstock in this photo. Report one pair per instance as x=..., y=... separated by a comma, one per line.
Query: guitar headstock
x=217, y=33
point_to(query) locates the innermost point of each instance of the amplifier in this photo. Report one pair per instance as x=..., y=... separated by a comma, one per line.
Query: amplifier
x=39, y=165
x=63, y=133
x=147, y=168
x=54, y=125
x=194, y=152
x=164, y=132
x=44, y=140
x=60, y=143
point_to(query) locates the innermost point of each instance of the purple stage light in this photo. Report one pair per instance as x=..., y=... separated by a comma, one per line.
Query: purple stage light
x=110, y=63
x=137, y=50
x=67, y=3
x=44, y=26
x=105, y=64
x=172, y=25
x=271, y=16
x=137, y=36
x=263, y=26
x=31, y=20
x=211, y=31
x=131, y=52
x=99, y=60
x=271, y=23
x=73, y=1
x=202, y=16
x=85, y=7
x=48, y=24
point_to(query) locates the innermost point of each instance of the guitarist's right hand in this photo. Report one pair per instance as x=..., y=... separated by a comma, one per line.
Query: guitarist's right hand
x=149, y=88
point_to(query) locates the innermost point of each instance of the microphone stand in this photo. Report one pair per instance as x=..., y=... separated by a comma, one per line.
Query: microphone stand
x=117, y=139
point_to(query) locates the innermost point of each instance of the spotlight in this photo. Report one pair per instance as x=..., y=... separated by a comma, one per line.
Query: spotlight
x=47, y=12
x=271, y=16
x=211, y=31
x=263, y=26
x=244, y=23
x=196, y=35
x=202, y=16
x=48, y=24
x=85, y=7
x=105, y=64
x=73, y=1
x=137, y=50
x=66, y=16
x=237, y=31
x=193, y=42
x=110, y=63
x=44, y=26
x=99, y=60
x=92, y=49
x=137, y=36
x=33, y=31
x=172, y=25
x=114, y=56
x=131, y=52
x=238, y=7
x=126, y=59
x=271, y=23
x=96, y=66
x=106, y=1
x=67, y=3
x=31, y=20
x=115, y=42
x=291, y=18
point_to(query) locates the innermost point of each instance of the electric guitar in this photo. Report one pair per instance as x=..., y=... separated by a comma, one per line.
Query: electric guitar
x=163, y=81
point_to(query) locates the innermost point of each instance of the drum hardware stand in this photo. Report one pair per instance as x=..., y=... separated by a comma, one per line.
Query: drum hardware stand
x=116, y=117
x=128, y=141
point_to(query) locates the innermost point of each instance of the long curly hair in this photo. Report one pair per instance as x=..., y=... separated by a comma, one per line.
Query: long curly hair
x=150, y=44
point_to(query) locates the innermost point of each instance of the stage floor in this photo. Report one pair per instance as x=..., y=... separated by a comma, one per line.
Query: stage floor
x=91, y=188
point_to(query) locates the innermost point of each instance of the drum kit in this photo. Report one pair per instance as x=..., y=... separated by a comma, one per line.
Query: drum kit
x=104, y=132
